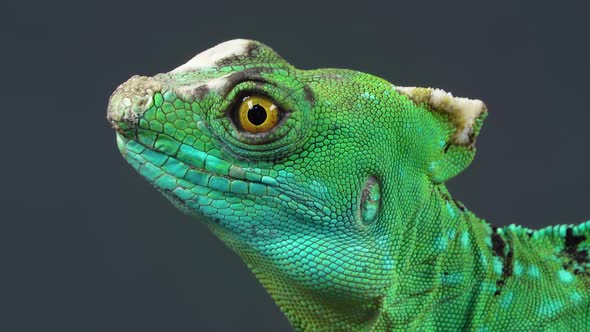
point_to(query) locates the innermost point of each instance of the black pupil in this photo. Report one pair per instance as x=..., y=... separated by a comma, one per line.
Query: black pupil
x=257, y=115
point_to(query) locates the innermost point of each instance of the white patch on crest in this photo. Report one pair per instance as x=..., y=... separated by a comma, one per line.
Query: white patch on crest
x=217, y=84
x=463, y=111
x=210, y=57
x=189, y=91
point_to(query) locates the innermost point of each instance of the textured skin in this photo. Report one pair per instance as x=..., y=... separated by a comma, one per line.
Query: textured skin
x=341, y=210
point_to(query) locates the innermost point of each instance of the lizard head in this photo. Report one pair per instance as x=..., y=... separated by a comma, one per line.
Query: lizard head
x=307, y=174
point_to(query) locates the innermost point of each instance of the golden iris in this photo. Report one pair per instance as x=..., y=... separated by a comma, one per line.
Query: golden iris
x=258, y=114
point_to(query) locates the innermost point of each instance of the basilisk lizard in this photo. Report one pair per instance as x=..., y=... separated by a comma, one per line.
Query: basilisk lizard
x=330, y=185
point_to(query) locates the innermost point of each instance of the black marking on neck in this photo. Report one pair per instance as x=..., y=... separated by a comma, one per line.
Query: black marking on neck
x=572, y=241
x=503, y=250
x=459, y=205
x=574, y=259
x=450, y=200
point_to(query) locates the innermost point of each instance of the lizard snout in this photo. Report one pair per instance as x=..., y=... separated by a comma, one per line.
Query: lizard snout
x=130, y=100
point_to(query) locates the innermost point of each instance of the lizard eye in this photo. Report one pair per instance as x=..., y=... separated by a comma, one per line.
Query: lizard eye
x=257, y=114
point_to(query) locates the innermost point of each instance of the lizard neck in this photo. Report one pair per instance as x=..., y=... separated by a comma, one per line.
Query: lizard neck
x=457, y=272
x=450, y=268
x=446, y=259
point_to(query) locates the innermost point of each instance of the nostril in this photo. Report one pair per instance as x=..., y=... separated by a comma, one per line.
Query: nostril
x=130, y=100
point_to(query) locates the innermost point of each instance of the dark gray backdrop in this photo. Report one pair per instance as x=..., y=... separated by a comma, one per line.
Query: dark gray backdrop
x=86, y=245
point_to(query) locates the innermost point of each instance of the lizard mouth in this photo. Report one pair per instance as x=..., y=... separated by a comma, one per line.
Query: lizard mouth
x=194, y=180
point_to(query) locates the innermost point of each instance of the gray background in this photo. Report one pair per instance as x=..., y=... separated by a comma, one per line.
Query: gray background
x=86, y=245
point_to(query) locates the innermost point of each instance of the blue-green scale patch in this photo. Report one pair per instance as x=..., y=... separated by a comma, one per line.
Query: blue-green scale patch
x=576, y=297
x=166, y=181
x=451, y=210
x=441, y=243
x=565, y=276
x=550, y=308
x=239, y=187
x=192, y=156
x=534, y=271
x=497, y=265
x=150, y=172
x=465, y=239
x=518, y=268
x=216, y=165
x=219, y=183
x=176, y=168
x=452, y=279
x=507, y=300
x=197, y=177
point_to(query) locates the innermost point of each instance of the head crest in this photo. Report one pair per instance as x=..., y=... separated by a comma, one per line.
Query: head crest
x=462, y=112
x=236, y=52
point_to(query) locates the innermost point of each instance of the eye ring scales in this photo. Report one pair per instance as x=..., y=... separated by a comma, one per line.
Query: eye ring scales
x=257, y=114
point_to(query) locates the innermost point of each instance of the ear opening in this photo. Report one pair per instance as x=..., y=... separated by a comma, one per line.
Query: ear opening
x=463, y=115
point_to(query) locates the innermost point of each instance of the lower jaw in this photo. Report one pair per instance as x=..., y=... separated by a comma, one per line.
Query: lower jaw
x=170, y=178
x=183, y=194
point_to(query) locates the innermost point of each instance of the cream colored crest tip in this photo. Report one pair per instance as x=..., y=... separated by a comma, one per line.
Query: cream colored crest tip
x=212, y=56
x=463, y=111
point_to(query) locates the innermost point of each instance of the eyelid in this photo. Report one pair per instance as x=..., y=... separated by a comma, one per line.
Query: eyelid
x=234, y=80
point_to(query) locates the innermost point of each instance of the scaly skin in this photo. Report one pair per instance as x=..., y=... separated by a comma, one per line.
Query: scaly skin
x=340, y=209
